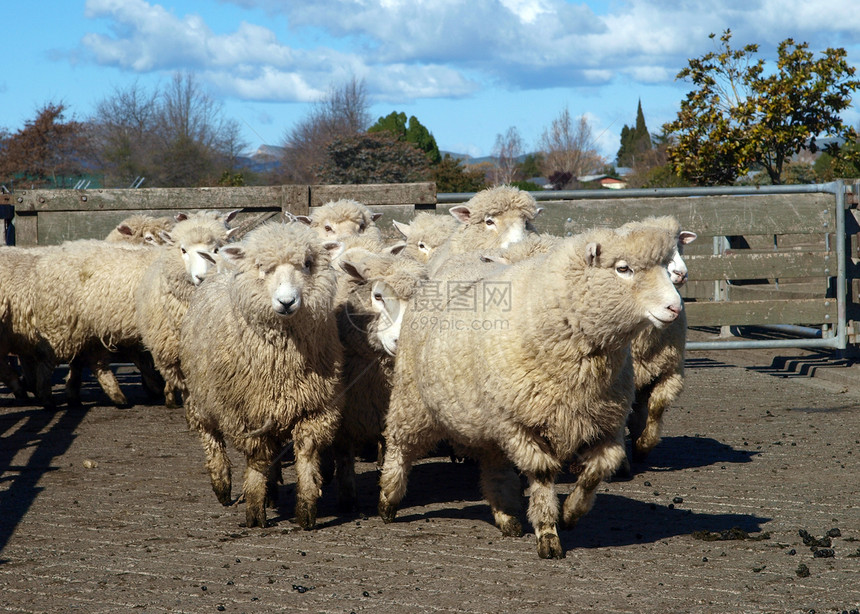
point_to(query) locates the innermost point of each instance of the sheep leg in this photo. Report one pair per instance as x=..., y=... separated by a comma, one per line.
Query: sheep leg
x=635, y=425
x=11, y=379
x=310, y=437
x=274, y=478
x=254, y=488
x=663, y=393
x=152, y=381
x=543, y=515
x=100, y=365
x=500, y=487
x=403, y=445
x=217, y=461
x=598, y=463
x=344, y=456
x=73, y=382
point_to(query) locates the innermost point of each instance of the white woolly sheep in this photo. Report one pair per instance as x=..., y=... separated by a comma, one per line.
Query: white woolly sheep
x=161, y=297
x=492, y=218
x=141, y=229
x=85, y=304
x=553, y=377
x=343, y=218
x=378, y=290
x=658, y=353
x=262, y=364
x=658, y=357
x=424, y=233
x=18, y=333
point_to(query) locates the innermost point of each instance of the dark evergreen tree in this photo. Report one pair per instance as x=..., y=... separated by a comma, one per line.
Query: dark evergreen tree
x=412, y=132
x=635, y=140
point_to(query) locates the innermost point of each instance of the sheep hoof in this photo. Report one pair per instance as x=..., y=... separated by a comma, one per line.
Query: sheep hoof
x=549, y=547
x=222, y=491
x=306, y=515
x=511, y=528
x=387, y=512
x=255, y=516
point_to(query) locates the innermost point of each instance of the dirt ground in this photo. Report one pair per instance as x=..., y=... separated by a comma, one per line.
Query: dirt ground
x=110, y=510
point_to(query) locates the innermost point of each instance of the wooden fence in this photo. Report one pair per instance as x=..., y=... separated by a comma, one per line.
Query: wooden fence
x=782, y=256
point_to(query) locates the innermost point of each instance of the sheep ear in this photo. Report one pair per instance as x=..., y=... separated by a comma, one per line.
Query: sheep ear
x=228, y=217
x=232, y=231
x=402, y=228
x=125, y=229
x=180, y=217
x=375, y=216
x=232, y=252
x=165, y=236
x=207, y=256
x=592, y=253
x=353, y=270
x=395, y=249
x=538, y=211
x=687, y=237
x=332, y=247
x=461, y=213
x=303, y=219
x=494, y=258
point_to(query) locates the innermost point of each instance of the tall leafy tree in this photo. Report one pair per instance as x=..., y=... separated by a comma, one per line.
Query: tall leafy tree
x=411, y=131
x=739, y=115
x=567, y=150
x=635, y=140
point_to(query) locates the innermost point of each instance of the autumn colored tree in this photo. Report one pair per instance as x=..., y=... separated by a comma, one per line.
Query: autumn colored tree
x=741, y=115
x=47, y=149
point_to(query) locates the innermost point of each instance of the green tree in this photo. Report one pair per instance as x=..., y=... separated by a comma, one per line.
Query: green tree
x=451, y=176
x=635, y=141
x=740, y=116
x=373, y=158
x=412, y=131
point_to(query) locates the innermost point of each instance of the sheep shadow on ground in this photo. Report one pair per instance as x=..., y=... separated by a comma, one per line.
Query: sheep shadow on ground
x=48, y=434
x=616, y=520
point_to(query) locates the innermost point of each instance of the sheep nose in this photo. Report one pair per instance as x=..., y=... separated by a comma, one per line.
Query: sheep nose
x=675, y=309
x=288, y=305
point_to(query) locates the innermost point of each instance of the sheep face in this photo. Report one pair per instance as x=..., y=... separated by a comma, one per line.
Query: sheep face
x=502, y=228
x=677, y=267
x=389, y=309
x=199, y=259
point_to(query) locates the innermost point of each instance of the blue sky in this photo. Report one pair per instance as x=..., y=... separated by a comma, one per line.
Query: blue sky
x=467, y=70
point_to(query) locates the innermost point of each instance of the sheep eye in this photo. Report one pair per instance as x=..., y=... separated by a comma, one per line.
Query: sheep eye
x=623, y=269
x=421, y=245
x=328, y=228
x=183, y=250
x=215, y=250
x=308, y=264
x=490, y=221
x=377, y=296
x=361, y=227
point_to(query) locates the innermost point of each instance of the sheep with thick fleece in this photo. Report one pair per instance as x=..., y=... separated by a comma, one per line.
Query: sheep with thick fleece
x=378, y=289
x=141, y=229
x=658, y=357
x=424, y=233
x=84, y=306
x=492, y=218
x=658, y=353
x=343, y=218
x=162, y=296
x=19, y=334
x=552, y=379
x=263, y=364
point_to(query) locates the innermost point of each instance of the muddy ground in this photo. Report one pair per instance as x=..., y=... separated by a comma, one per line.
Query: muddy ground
x=110, y=510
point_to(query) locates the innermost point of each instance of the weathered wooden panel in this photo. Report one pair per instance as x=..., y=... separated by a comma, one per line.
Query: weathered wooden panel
x=708, y=216
x=739, y=265
x=376, y=194
x=292, y=198
x=800, y=311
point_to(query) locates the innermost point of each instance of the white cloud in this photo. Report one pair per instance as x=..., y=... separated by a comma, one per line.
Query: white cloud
x=412, y=49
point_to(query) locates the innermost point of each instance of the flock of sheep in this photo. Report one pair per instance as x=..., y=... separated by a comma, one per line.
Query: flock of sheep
x=523, y=351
